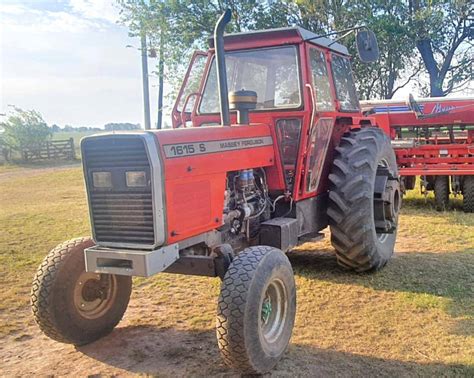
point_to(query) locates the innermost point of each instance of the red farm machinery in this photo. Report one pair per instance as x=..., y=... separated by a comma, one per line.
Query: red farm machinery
x=433, y=138
x=269, y=147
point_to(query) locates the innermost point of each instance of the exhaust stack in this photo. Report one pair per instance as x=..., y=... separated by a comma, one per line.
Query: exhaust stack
x=221, y=69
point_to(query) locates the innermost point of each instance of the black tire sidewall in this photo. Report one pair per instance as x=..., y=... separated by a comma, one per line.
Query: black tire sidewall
x=68, y=319
x=351, y=199
x=441, y=192
x=386, y=153
x=468, y=194
x=274, y=265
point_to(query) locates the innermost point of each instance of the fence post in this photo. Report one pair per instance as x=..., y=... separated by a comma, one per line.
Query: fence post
x=47, y=149
x=73, y=151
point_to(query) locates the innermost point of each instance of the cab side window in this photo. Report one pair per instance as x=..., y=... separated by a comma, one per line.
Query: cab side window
x=192, y=83
x=343, y=80
x=322, y=87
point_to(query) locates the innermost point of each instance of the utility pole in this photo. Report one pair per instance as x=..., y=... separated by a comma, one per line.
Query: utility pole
x=146, y=91
x=159, y=122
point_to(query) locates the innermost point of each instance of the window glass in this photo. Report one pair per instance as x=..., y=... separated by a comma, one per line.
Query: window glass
x=321, y=84
x=345, y=88
x=192, y=85
x=318, y=145
x=272, y=73
x=288, y=132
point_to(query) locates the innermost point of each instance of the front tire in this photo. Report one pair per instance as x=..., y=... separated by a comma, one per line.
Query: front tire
x=71, y=305
x=364, y=200
x=256, y=310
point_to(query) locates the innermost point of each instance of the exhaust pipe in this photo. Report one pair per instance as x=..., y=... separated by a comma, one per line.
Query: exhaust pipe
x=221, y=69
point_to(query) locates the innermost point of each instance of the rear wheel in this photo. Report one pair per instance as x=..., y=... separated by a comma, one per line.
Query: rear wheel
x=256, y=310
x=365, y=199
x=441, y=192
x=468, y=194
x=71, y=305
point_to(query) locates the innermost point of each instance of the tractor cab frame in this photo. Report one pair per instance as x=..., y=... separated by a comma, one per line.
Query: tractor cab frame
x=305, y=91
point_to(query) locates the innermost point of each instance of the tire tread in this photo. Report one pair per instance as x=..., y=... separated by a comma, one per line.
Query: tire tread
x=43, y=285
x=349, y=196
x=468, y=194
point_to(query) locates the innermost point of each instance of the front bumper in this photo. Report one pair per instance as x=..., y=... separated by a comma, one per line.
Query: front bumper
x=130, y=262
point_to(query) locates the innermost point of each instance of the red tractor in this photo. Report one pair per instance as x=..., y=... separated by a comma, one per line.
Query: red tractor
x=244, y=176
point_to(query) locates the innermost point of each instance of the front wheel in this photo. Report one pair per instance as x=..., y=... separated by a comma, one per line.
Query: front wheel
x=71, y=305
x=256, y=310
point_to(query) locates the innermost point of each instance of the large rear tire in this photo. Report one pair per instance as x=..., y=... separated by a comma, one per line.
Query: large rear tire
x=73, y=306
x=441, y=192
x=468, y=194
x=256, y=310
x=364, y=200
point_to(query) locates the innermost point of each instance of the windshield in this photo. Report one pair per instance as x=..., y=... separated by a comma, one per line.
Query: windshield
x=272, y=73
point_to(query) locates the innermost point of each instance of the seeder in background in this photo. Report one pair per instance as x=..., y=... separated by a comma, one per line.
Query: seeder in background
x=433, y=138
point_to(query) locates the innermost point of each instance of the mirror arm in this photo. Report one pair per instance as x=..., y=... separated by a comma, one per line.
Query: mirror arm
x=342, y=36
x=346, y=31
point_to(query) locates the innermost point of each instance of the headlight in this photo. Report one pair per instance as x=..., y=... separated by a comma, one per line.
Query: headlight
x=135, y=179
x=102, y=179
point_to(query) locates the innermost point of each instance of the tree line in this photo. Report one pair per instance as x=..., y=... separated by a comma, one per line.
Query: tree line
x=424, y=42
x=27, y=128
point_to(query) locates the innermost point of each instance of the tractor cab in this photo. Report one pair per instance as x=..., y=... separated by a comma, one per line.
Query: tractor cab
x=302, y=83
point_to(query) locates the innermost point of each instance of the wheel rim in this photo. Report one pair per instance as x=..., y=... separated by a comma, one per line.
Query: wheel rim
x=94, y=294
x=386, y=201
x=273, y=311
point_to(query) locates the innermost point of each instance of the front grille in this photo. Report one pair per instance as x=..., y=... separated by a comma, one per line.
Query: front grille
x=120, y=214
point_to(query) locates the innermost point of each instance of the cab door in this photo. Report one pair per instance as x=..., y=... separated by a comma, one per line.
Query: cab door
x=189, y=91
x=323, y=120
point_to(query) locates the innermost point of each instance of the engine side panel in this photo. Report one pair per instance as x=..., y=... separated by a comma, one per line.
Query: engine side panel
x=195, y=164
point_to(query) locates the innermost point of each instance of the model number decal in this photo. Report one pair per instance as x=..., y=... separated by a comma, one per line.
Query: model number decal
x=189, y=149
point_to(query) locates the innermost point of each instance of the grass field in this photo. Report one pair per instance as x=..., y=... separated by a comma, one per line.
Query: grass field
x=414, y=318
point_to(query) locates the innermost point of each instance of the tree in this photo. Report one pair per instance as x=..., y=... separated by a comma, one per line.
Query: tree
x=388, y=19
x=25, y=128
x=175, y=28
x=55, y=128
x=443, y=31
x=439, y=30
x=396, y=66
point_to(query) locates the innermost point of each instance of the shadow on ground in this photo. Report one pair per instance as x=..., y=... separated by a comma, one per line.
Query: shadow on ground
x=144, y=350
x=446, y=275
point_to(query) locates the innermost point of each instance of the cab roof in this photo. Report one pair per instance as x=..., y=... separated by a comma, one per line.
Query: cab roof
x=280, y=36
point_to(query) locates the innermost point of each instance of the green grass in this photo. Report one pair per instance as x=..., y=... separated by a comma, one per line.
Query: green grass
x=36, y=212
x=415, y=317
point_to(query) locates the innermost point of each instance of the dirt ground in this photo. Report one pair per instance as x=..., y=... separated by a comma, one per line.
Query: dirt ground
x=415, y=318
x=145, y=343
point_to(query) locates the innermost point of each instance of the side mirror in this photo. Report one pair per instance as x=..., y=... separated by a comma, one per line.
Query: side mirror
x=367, y=46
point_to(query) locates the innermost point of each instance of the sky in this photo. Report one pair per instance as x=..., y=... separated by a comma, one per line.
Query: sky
x=68, y=60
